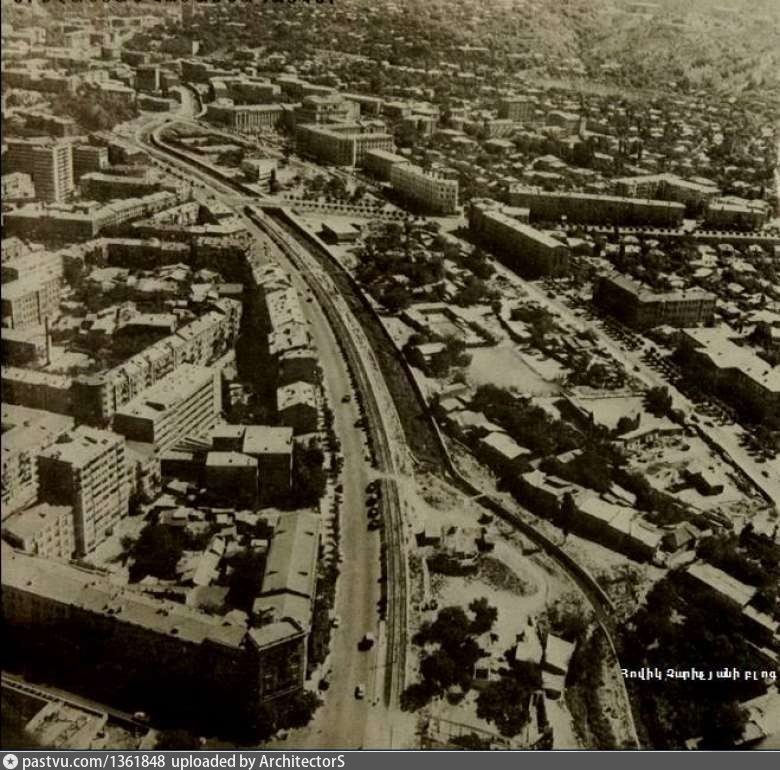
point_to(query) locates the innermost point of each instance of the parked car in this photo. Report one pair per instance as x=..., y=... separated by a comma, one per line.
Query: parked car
x=360, y=691
x=367, y=642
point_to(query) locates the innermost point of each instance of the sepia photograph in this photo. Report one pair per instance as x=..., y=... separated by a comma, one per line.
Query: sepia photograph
x=389, y=375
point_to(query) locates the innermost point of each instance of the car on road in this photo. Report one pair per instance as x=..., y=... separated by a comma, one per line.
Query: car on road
x=335, y=621
x=367, y=642
x=360, y=691
x=345, y=399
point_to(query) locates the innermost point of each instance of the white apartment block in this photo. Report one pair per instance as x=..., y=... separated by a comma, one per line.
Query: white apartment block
x=44, y=529
x=184, y=403
x=432, y=192
x=87, y=470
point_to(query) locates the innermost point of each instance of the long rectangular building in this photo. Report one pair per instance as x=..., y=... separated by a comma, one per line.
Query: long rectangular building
x=343, y=144
x=87, y=470
x=178, y=655
x=50, y=164
x=524, y=248
x=245, y=118
x=96, y=398
x=381, y=162
x=590, y=208
x=736, y=371
x=31, y=299
x=184, y=403
x=432, y=192
x=642, y=308
x=26, y=432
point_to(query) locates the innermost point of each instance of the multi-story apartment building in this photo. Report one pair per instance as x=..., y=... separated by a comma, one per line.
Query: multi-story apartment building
x=668, y=187
x=17, y=186
x=297, y=406
x=428, y=190
x=369, y=105
x=591, y=208
x=642, y=308
x=184, y=403
x=242, y=89
x=37, y=389
x=88, y=159
x=380, y=162
x=147, y=255
x=25, y=433
x=166, y=646
x=331, y=108
x=343, y=144
x=231, y=476
x=269, y=446
x=31, y=299
x=96, y=398
x=524, y=248
x=272, y=446
x=105, y=187
x=47, y=81
x=87, y=469
x=83, y=221
x=44, y=529
x=736, y=372
x=518, y=108
x=50, y=164
x=46, y=123
x=728, y=215
x=569, y=121
x=147, y=77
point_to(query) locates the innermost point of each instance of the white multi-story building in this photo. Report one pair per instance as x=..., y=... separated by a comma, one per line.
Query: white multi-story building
x=430, y=191
x=25, y=433
x=44, y=529
x=50, y=164
x=184, y=403
x=87, y=470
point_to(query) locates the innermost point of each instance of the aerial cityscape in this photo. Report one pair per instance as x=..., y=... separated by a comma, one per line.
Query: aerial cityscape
x=391, y=374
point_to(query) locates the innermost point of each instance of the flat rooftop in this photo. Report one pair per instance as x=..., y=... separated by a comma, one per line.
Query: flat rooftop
x=82, y=445
x=75, y=587
x=171, y=390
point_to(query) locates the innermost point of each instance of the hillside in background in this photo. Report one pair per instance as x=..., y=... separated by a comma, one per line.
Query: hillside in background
x=728, y=46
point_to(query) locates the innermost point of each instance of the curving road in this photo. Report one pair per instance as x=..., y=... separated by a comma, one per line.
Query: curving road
x=344, y=721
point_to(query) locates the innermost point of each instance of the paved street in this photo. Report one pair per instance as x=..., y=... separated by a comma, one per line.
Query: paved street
x=342, y=722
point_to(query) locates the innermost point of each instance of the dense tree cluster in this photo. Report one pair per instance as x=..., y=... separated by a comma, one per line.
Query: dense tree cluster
x=451, y=651
x=402, y=262
x=93, y=110
x=529, y=425
x=452, y=356
x=308, y=474
x=682, y=629
x=158, y=549
x=750, y=557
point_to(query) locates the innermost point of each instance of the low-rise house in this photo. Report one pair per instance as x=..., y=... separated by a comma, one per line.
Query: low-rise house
x=555, y=665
